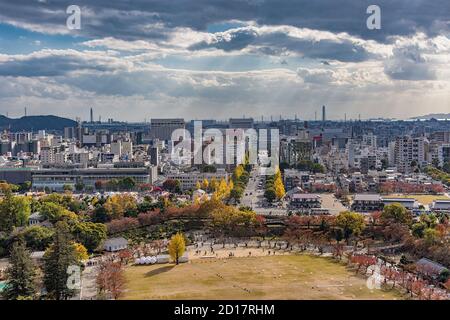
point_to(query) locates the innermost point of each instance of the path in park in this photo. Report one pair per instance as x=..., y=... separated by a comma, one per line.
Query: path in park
x=333, y=205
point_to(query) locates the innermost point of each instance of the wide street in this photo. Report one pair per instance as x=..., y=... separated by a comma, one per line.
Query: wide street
x=254, y=197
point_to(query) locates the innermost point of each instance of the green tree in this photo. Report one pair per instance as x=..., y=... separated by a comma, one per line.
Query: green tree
x=208, y=168
x=446, y=167
x=21, y=274
x=25, y=187
x=57, y=259
x=177, y=246
x=37, y=237
x=430, y=236
x=100, y=214
x=14, y=211
x=270, y=194
x=444, y=275
x=352, y=223
x=338, y=234
x=67, y=187
x=90, y=234
x=55, y=212
x=79, y=186
x=418, y=229
x=396, y=213
x=127, y=183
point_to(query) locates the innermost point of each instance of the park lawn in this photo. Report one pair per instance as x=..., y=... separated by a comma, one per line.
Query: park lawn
x=422, y=198
x=274, y=277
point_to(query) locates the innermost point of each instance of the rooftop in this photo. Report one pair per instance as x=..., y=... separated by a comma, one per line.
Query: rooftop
x=116, y=241
x=305, y=196
x=367, y=197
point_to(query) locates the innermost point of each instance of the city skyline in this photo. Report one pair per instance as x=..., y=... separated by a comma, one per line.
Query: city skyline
x=207, y=60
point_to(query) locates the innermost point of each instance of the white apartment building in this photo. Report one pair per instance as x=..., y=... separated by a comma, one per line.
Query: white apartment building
x=116, y=148
x=61, y=157
x=369, y=140
x=81, y=157
x=409, y=150
x=47, y=155
x=127, y=148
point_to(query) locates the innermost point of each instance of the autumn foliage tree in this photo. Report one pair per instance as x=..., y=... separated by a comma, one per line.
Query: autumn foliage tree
x=111, y=279
x=120, y=205
x=278, y=185
x=396, y=213
x=176, y=247
x=352, y=223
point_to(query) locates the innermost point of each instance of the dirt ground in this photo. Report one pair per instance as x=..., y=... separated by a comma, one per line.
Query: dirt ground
x=257, y=277
x=425, y=199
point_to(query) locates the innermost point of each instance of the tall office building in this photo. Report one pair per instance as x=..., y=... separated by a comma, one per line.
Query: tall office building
x=444, y=154
x=241, y=123
x=92, y=115
x=154, y=155
x=324, y=116
x=162, y=128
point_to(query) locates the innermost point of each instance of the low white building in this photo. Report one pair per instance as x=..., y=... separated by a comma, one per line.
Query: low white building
x=115, y=244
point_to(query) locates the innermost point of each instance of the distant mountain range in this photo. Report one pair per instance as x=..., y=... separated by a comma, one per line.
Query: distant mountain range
x=433, y=116
x=35, y=123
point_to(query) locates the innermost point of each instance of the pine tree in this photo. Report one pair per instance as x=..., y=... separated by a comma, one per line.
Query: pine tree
x=58, y=257
x=21, y=274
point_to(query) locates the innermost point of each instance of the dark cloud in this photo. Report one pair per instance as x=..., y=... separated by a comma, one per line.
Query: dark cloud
x=408, y=63
x=276, y=43
x=49, y=63
x=137, y=19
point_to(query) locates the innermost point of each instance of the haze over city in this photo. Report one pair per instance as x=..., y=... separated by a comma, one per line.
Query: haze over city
x=224, y=59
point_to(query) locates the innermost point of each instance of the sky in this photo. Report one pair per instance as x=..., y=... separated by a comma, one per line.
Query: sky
x=201, y=59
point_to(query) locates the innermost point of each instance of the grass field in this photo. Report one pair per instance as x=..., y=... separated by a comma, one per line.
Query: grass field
x=422, y=198
x=274, y=277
